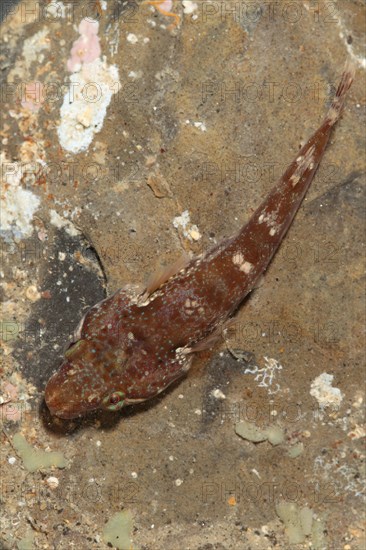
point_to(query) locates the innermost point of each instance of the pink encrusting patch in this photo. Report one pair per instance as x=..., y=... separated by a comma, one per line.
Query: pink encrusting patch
x=9, y=407
x=32, y=96
x=82, y=112
x=87, y=47
x=166, y=5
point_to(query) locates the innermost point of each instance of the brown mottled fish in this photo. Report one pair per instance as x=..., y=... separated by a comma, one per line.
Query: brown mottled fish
x=132, y=345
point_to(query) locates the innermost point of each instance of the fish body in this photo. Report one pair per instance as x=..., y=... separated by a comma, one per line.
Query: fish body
x=132, y=345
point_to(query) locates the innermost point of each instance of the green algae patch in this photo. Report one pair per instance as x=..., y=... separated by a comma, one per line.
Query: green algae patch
x=26, y=543
x=298, y=521
x=251, y=432
x=275, y=435
x=35, y=459
x=300, y=524
x=296, y=450
x=118, y=529
x=318, y=537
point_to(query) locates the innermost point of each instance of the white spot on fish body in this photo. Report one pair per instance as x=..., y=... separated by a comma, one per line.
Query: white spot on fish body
x=246, y=267
x=190, y=303
x=238, y=258
x=304, y=162
x=294, y=180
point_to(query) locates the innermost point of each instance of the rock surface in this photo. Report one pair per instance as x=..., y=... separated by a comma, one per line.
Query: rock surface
x=199, y=118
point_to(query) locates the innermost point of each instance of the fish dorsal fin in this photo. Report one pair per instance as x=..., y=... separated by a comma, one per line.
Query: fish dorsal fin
x=163, y=274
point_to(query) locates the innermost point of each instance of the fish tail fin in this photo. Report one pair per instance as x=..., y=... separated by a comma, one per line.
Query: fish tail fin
x=336, y=108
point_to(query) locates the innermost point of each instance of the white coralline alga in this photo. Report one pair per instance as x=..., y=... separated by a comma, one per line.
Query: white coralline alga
x=92, y=85
x=17, y=205
x=324, y=393
x=183, y=222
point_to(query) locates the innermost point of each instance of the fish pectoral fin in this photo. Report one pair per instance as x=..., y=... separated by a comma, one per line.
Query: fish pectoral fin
x=210, y=341
x=160, y=378
x=163, y=274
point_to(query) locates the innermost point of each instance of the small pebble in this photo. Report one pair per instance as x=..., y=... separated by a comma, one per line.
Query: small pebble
x=32, y=293
x=132, y=38
x=52, y=482
x=218, y=394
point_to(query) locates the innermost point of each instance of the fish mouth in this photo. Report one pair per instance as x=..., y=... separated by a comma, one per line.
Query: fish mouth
x=59, y=401
x=64, y=415
x=67, y=412
x=56, y=408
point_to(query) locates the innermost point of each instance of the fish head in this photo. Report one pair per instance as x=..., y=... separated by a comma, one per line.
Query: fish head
x=89, y=378
x=116, y=361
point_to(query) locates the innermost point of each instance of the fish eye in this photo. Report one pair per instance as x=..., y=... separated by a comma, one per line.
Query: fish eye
x=113, y=401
